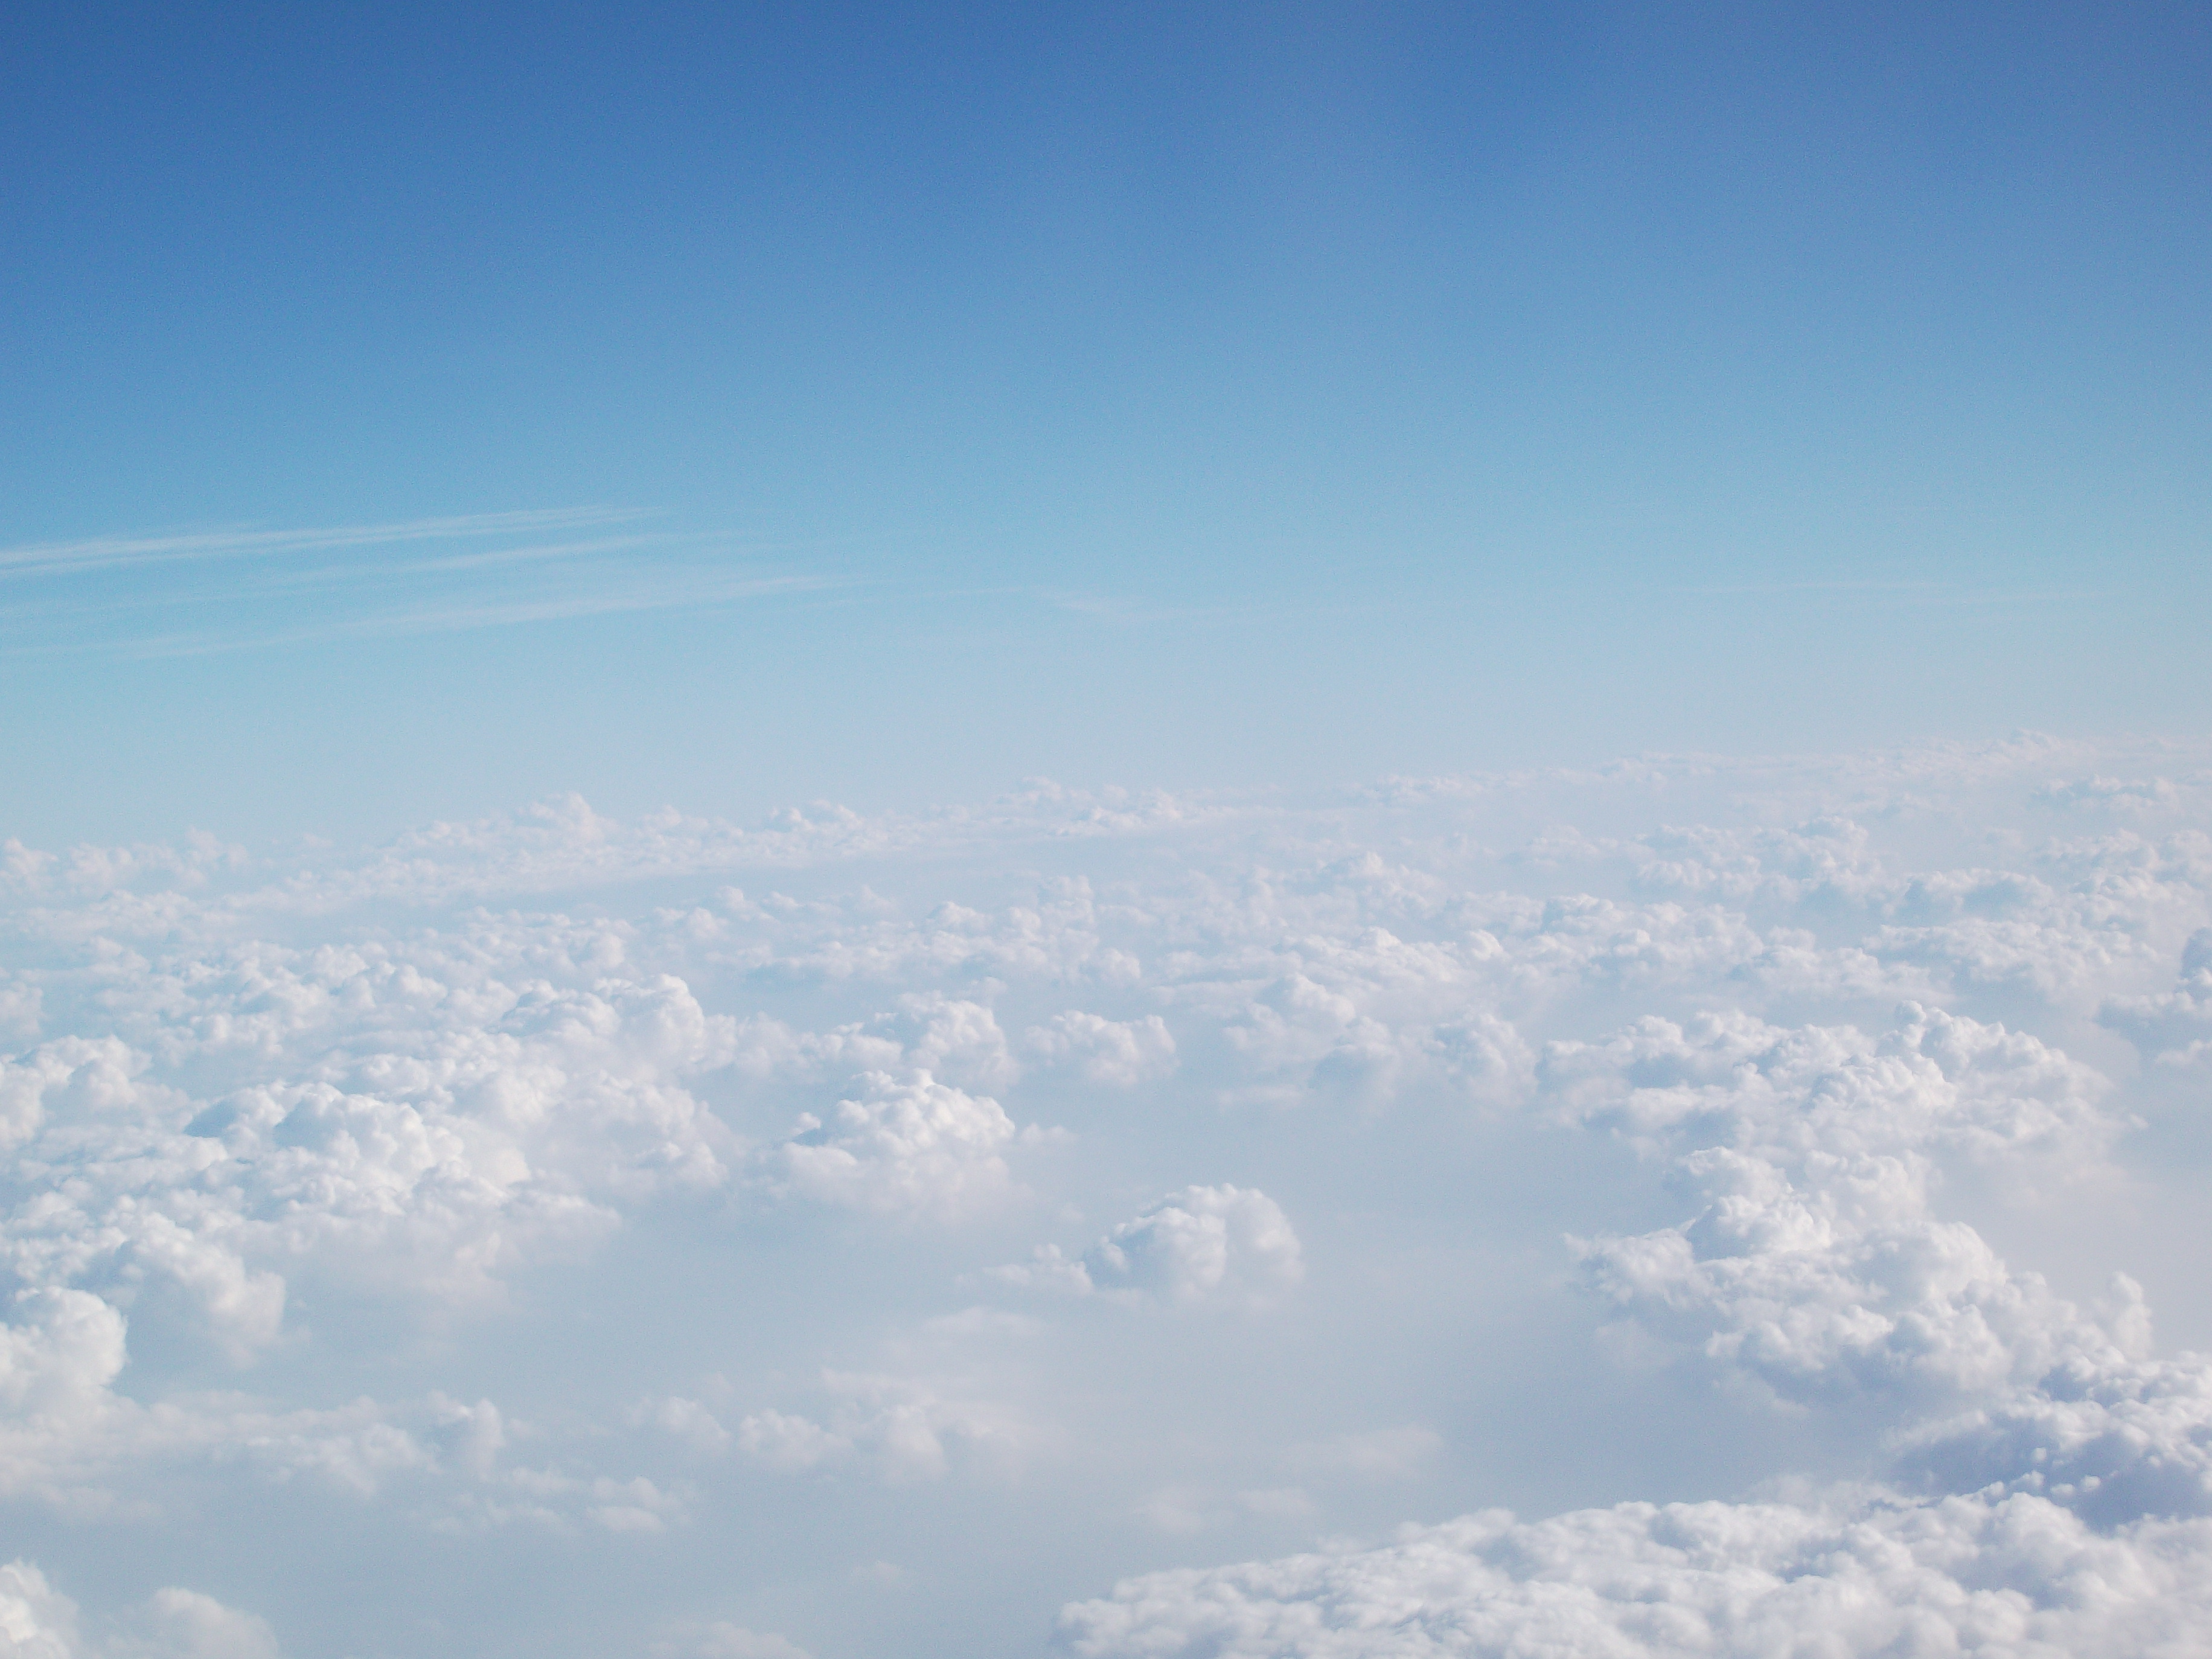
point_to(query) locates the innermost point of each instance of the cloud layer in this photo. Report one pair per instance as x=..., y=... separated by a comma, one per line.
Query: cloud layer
x=1083, y=1178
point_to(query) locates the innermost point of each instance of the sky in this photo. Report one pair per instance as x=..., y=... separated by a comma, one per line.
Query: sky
x=926, y=399
x=1120, y=833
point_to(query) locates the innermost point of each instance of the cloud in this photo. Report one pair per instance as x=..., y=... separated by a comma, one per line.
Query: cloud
x=2048, y=1481
x=722, y=1640
x=228, y=589
x=106, y=552
x=901, y=1429
x=1229, y=1245
x=182, y=1624
x=1814, y=1263
x=912, y=1146
x=2171, y=1028
x=1121, y=1054
x=2128, y=795
x=448, y=1187
x=2016, y=1575
x=35, y=1623
x=689, y=1421
x=423, y=1132
x=38, y=1622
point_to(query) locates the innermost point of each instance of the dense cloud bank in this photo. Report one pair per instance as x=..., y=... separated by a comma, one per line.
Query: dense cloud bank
x=2047, y=1484
x=2018, y=1575
x=1053, y=1132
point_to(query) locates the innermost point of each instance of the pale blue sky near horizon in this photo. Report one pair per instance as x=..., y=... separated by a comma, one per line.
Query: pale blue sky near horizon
x=742, y=406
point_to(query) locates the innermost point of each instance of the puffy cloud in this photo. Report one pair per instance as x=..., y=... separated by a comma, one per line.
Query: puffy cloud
x=1204, y=1244
x=2014, y=1575
x=422, y=1162
x=789, y=1442
x=38, y=1622
x=901, y=1429
x=1383, y=1021
x=689, y=1421
x=866, y=941
x=904, y=1146
x=1935, y=1080
x=1120, y=1053
x=2113, y=1438
x=1815, y=1264
x=35, y=1622
x=182, y=1624
x=957, y=1040
x=2172, y=1028
x=2056, y=1509
x=952, y=1039
x=2130, y=794
x=67, y=1437
x=59, y=1354
x=276, y=1130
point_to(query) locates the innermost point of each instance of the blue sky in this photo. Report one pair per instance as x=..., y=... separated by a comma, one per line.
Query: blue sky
x=1135, y=395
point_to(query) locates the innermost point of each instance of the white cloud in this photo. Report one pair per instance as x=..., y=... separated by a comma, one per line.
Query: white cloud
x=333, y=1187
x=1122, y=1054
x=38, y=1622
x=35, y=1622
x=2016, y=1575
x=1814, y=1263
x=689, y=1421
x=901, y=1429
x=904, y=1146
x=789, y=1442
x=723, y=1640
x=1204, y=1244
x=182, y=1624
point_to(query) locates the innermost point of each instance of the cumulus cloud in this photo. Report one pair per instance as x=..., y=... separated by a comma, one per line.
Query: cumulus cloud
x=2047, y=1480
x=425, y=1160
x=38, y=1622
x=2172, y=1028
x=2015, y=1574
x=904, y=1146
x=953, y=1039
x=1229, y=1245
x=1122, y=1053
x=182, y=1624
x=1816, y=1263
x=35, y=1623
x=393, y=1180
x=899, y=1429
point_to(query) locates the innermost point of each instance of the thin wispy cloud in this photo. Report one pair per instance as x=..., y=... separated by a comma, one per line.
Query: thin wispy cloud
x=1912, y=592
x=242, y=589
x=459, y=618
x=106, y=552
